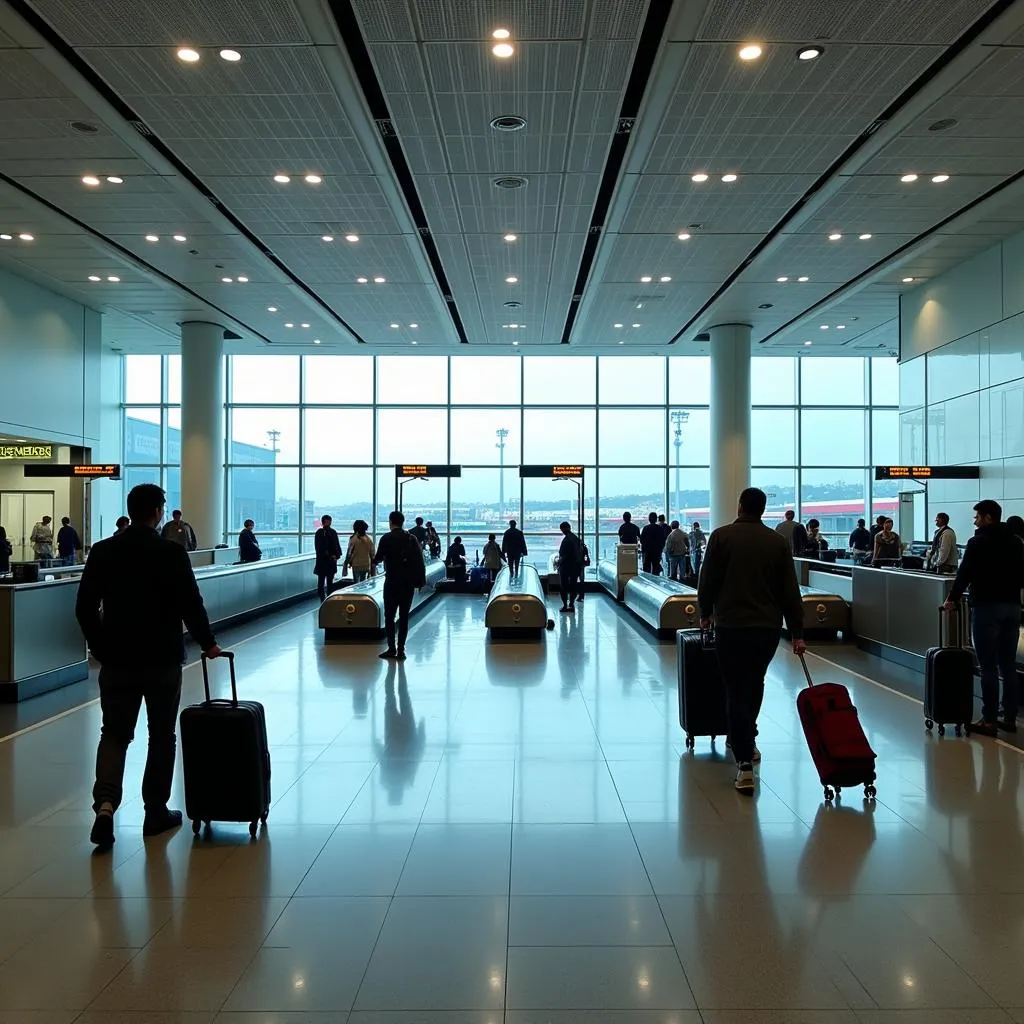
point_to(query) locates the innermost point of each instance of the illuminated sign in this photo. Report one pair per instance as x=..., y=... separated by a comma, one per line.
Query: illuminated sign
x=927, y=472
x=421, y=470
x=550, y=471
x=26, y=451
x=89, y=472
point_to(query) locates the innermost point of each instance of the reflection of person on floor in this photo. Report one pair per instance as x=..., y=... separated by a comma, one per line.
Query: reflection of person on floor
x=404, y=739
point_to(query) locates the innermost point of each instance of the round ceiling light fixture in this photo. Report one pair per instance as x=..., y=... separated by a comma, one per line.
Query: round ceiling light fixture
x=188, y=55
x=809, y=52
x=511, y=280
x=865, y=236
x=803, y=280
x=503, y=50
x=835, y=236
x=908, y=177
x=908, y=280
x=26, y=237
x=313, y=179
x=152, y=238
x=180, y=238
x=511, y=181
x=508, y=123
x=282, y=179
x=782, y=280
x=351, y=238
x=938, y=179
x=683, y=236
x=327, y=238
x=91, y=180
x=510, y=237
x=115, y=179
x=501, y=33
x=700, y=177
x=94, y=277
x=750, y=52
x=729, y=178
x=231, y=56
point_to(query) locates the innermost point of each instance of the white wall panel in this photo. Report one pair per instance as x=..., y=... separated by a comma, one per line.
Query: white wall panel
x=954, y=369
x=1006, y=350
x=1013, y=275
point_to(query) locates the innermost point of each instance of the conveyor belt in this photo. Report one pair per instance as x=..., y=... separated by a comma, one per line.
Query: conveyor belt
x=357, y=613
x=825, y=614
x=516, y=605
x=662, y=603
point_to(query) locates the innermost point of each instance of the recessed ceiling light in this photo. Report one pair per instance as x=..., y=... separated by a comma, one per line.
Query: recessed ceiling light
x=665, y=279
x=515, y=342
x=510, y=237
x=414, y=326
x=834, y=237
x=271, y=309
x=865, y=236
x=808, y=342
x=908, y=280
x=115, y=179
x=289, y=325
x=803, y=280
x=351, y=238
x=939, y=178
x=639, y=305
x=180, y=238
x=622, y=343
x=414, y=343
x=909, y=177
x=683, y=236
x=327, y=238
x=282, y=179
x=305, y=327
x=362, y=280
x=636, y=325
x=188, y=55
x=5, y=237
x=26, y=237
x=231, y=56
x=646, y=279
x=113, y=278
x=91, y=180
x=511, y=280
x=152, y=238
x=227, y=280
x=395, y=326
x=700, y=177
x=616, y=325
x=501, y=33
x=243, y=280
x=809, y=53
x=378, y=280
x=503, y=50
x=824, y=327
x=93, y=277
x=729, y=178
x=782, y=280
x=313, y=179
x=840, y=327
x=316, y=341
x=750, y=52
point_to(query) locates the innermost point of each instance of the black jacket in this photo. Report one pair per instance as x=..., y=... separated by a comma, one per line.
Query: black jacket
x=248, y=547
x=652, y=539
x=861, y=539
x=748, y=579
x=456, y=554
x=570, y=553
x=68, y=541
x=135, y=592
x=513, y=542
x=328, y=551
x=992, y=566
x=402, y=556
x=629, y=533
x=420, y=533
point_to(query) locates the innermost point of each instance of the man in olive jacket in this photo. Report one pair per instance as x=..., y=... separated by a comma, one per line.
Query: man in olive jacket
x=748, y=586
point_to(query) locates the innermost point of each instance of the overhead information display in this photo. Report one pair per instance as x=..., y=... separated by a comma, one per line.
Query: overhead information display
x=550, y=471
x=927, y=472
x=89, y=472
x=418, y=469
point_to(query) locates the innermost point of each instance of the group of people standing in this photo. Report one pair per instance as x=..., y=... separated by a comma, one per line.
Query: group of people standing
x=682, y=549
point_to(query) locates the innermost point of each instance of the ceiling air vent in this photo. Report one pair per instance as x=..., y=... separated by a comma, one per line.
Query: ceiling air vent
x=512, y=304
x=510, y=181
x=84, y=127
x=942, y=125
x=509, y=123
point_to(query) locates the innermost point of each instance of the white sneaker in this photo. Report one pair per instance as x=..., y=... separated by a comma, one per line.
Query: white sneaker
x=745, y=779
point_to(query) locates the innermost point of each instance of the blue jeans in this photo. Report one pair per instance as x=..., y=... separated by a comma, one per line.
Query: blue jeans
x=995, y=628
x=358, y=575
x=677, y=567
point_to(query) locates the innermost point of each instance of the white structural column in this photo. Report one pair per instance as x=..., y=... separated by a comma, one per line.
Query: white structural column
x=730, y=419
x=202, y=430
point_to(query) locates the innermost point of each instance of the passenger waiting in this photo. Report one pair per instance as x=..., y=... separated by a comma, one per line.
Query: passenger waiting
x=652, y=543
x=677, y=550
x=328, y=551
x=876, y=527
x=944, y=555
x=861, y=543
x=404, y=574
x=787, y=526
x=513, y=547
x=664, y=526
x=433, y=541
x=41, y=540
x=68, y=542
x=419, y=531
x=1016, y=527
x=629, y=532
x=248, y=545
x=570, y=565
x=887, y=545
x=359, y=555
x=120, y=525
x=492, y=559
x=815, y=543
x=178, y=531
x=455, y=559
x=698, y=542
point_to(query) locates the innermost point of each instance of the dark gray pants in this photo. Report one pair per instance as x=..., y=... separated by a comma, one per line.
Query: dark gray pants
x=743, y=658
x=122, y=691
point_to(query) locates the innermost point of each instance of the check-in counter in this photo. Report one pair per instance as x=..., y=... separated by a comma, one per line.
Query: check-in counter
x=516, y=604
x=805, y=566
x=42, y=648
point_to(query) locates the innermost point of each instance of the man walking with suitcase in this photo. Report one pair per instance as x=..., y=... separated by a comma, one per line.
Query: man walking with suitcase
x=405, y=573
x=135, y=592
x=748, y=587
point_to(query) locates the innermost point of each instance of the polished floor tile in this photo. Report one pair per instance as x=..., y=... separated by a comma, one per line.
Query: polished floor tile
x=497, y=833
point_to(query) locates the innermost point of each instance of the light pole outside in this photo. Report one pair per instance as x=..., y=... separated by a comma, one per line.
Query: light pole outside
x=679, y=417
x=501, y=433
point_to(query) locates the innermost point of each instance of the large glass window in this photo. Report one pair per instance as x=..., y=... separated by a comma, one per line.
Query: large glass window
x=694, y=437
x=631, y=380
x=412, y=380
x=486, y=437
x=773, y=381
x=142, y=380
x=559, y=380
x=631, y=437
x=337, y=435
x=553, y=436
x=832, y=381
x=271, y=380
x=773, y=437
x=832, y=437
x=486, y=380
x=346, y=493
x=337, y=380
x=689, y=380
x=266, y=494
x=265, y=436
x=412, y=435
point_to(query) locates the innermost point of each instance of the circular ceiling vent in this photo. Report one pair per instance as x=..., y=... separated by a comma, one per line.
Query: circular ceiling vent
x=766, y=305
x=943, y=125
x=84, y=127
x=509, y=123
x=510, y=181
x=512, y=304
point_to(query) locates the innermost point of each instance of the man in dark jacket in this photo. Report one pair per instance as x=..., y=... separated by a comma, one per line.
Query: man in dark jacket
x=748, y=586
x=419, y=531
x=180, y=532
x=652, y=543
x=68, y=542
x=405, y=573
x=629, y=532
x=993, y=569
x=570, y=565
x=135, y=592
x=248, y=545
x=328, y=552
x=513, y=547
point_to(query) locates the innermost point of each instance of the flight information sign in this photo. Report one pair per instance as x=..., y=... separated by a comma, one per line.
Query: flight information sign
x=82, y=472
x=927, y=472
x=419, y=469
x=550, y=471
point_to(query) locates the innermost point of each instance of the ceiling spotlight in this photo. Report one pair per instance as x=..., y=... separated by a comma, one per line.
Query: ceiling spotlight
x=510, y=238
x=515, y=342
x=5, y=237
x=622, y=343
x=378, y=280
x=91, y=180
x=243, y=280
x=700, y=177
x=115, y=179
x=414, y=343
x=750, y=52
x=616, y=325
x=188, y=55
x=909, y=177
x=840, y=327
x=782, y=280
x=809, y=53
x=939, y=178
x=152, y=238
x=834, y=237
x=361, y=280
x=414, y=326
x=282, y=179
x=351, y=238
x=395, y=326
x=26, y=237
x=511, y=280
x=908, y=280
x=864, y=237
x=765, y=305
x=113, y=278
x=729, y=178
x=227, y=280
x=316, y=341
x=803, y=280
x=665, y=280
x=824, y=327
x=501, y=33
x=92, y=277
x=808, y=342
x=289, y=325
x=636, y=325
x=327, y=238
x=271, y=309
x=231, y=56
x=646, y=279
x=503, y=50
x=305, y=327
x=180, y=238
x=313, y=179
x=683, y=236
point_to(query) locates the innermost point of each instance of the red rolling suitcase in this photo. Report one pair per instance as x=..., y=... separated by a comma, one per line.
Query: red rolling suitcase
x=225, y=758
x=840, y=749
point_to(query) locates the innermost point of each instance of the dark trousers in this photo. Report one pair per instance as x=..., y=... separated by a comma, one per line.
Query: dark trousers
x=568, y=582
x=743, y=658
x=995, y=628
x=652, y=562
x=397, y=601
x=514, y=561
x=122, y=691
x=323, y=583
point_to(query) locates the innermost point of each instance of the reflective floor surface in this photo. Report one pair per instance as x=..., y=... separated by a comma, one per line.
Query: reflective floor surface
x=514, y=833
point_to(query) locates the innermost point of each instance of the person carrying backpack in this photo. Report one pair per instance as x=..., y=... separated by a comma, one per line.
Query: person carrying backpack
x=405, y=573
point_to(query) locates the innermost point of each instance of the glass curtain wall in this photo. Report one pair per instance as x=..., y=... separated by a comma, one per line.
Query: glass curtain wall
x=308, y=435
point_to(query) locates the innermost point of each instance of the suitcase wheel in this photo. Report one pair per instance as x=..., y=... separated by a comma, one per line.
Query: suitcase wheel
x=829, y=794
x=196, y=826
x=928, y=723
x=690, y=742
x=942, y=730
x=253, y=827
x=870, y=792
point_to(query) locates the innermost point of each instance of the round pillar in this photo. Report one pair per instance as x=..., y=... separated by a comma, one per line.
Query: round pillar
x=202, y=430
x=730, y=419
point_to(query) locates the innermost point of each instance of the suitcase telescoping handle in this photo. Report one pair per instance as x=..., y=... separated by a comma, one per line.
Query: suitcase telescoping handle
x=807, y=671
x=229, y=656
x=956, y=634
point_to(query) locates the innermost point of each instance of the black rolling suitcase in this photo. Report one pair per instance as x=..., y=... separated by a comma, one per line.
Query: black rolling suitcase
x=949, y=682
x=702, y=705
x=225, y=758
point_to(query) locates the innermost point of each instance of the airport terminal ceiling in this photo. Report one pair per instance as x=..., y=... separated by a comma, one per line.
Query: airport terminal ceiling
x=547, y=176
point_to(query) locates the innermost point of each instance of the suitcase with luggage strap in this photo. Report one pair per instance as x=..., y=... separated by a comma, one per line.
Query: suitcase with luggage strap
x=702, y=703
x=225, y=758
x=835, y=737
x=949, y=681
